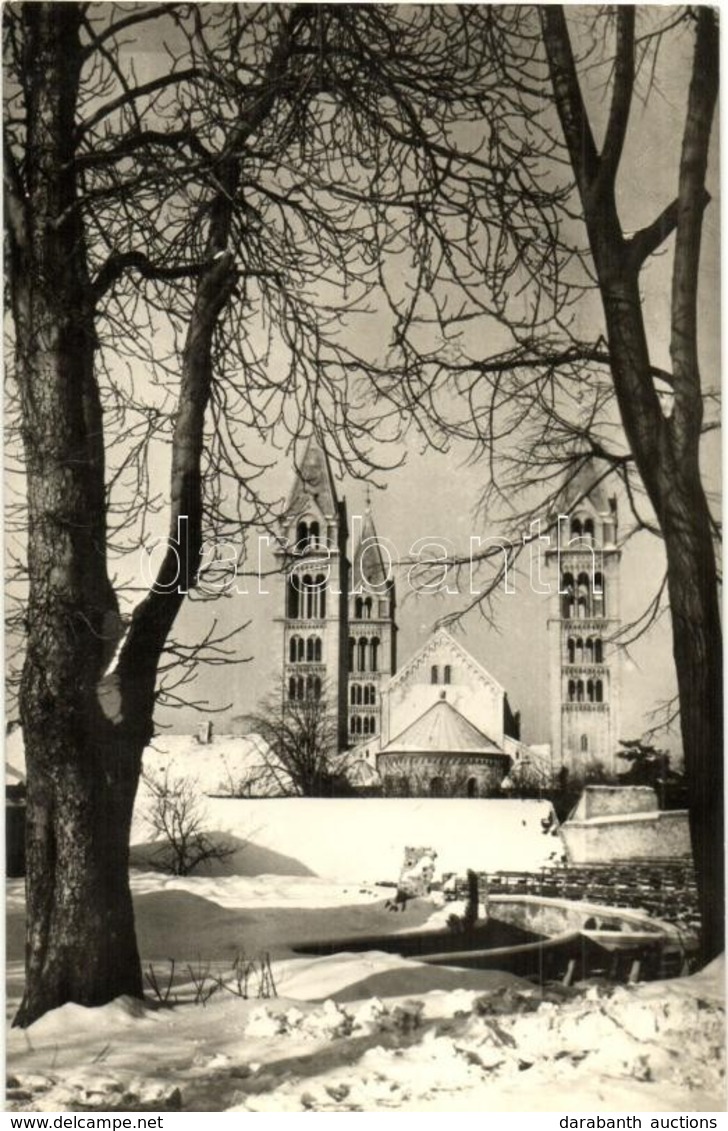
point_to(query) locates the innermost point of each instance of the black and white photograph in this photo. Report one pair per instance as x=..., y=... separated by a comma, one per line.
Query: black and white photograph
x=362, y=593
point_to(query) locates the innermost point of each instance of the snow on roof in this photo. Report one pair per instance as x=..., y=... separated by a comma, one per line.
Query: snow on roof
x=442, y=729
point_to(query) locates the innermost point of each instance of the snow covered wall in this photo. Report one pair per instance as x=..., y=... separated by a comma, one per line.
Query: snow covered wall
x=364, y=839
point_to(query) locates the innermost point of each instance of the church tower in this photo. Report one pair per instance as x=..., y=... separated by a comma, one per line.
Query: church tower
x=372, y=645
x=314, y=535
x=584, y=659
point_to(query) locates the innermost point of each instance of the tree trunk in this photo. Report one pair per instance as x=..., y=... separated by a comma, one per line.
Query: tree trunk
x=80, y=937
x=81, y=773
x=697, y=647
x=666, y=450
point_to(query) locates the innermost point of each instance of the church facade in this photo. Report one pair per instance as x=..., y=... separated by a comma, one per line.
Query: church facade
x=441, y=724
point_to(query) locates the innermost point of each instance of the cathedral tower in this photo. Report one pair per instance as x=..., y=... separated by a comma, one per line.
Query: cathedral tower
x=372, y=637
x=314, y=535
x=584, y=660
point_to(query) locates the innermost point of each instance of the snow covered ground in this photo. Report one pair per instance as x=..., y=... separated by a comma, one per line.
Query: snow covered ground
x=351, y=1032
x=365, y=1032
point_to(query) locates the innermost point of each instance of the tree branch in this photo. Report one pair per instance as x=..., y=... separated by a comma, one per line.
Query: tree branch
x=622, y=90
x=569, y=101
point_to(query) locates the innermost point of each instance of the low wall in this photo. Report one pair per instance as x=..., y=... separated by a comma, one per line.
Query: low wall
x=552, y=917
x=612, y=800
x=660, y=836
x=364, y=838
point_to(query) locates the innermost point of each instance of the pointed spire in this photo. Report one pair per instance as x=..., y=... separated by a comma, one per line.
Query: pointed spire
x=368, y=568
x=587, y=483
x=314, y=481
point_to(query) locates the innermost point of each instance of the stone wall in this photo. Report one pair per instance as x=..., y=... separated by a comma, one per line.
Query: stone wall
x=614, y=800
x=637, y=836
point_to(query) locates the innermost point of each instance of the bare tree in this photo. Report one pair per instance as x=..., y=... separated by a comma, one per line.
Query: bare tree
x=301, y=737
x=177, y=284
x=176, y=817
x=570, y=386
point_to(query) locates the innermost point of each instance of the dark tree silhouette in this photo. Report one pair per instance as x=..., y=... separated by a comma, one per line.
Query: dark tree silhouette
x=570, y=385
x=192, y=236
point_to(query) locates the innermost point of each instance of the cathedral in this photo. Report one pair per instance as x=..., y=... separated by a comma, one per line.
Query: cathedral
x=440, y=724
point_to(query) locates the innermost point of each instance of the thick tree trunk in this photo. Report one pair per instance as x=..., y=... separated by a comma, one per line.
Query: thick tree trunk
x=666, y=450
x=697, y=647
x=80, y=937
x=80, y=943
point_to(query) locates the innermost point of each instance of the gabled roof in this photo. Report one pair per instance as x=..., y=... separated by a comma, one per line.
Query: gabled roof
x=367, y=568
x=588, y=483
x=442, y=729
x=314, y=481
x=442, y=636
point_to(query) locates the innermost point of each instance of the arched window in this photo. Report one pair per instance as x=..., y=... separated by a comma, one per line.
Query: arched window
x=293, y=649
x=590, y=651
x=598, y=651
x=293, y=604
x=575, y=528
x=365, y=724
x=321, y=594
x=314, y=533
x=310, y=646
x=292, y=688
x=572, y=691
x=302, y=536
x=352, y=725
x=571, y=649
x=584, y=744
x=590, y=690
x=367, y=608
x=599, y=691
x=437, y=787
x=309, y=687
x=317, y=651
x=580, y=690
x=589, y=529
x=583, y=603
x=357, y=724
x=358, y=608
x=372, y=724
x=299, y=688
x=600, y=596
x=308, y=596
x=472, y=787
x=567, y=595
x=434, y=674
x=447, y=674
x=352, y=653
x=317, y=687
x=374, y=654
x=580, y=651
x=362, y=655
x=370, y=695
x=352, y=694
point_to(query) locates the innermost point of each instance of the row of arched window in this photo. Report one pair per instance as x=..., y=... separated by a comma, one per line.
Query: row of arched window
x=363, y=608
x=589, y=691
x=579, y=598
x=306, y=597
x=300, y=687
x=589, y=651
x=583, y=529
x=308, y=536
x=364, y=654
x=302, y=651
x=362, y=724
x=363, y=695
x=435, y=674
